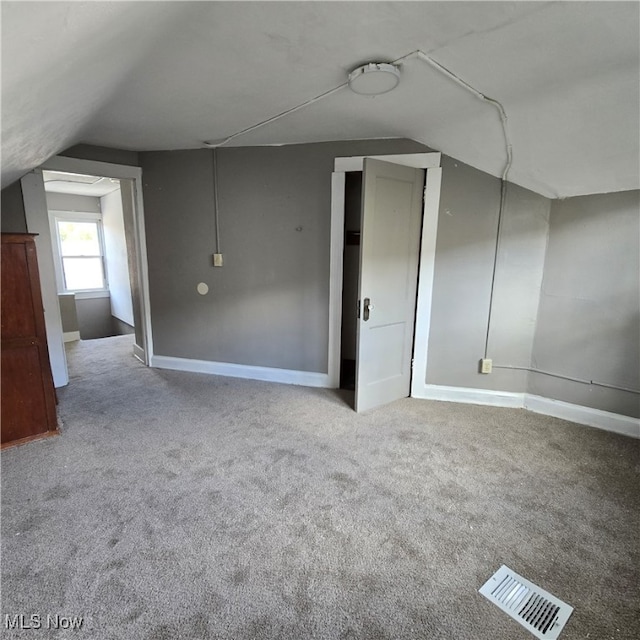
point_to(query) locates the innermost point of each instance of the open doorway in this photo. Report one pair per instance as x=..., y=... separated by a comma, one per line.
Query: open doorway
x=90, y=220
x=350, y=278
x=382, y=274
x=35, y=201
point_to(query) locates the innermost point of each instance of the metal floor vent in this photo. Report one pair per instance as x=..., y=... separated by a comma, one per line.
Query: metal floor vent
x=534, y=608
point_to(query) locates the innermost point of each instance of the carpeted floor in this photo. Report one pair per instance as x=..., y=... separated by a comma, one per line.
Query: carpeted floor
x=180, y=505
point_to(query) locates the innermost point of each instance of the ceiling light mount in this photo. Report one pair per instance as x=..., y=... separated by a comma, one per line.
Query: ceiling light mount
x=374, y=78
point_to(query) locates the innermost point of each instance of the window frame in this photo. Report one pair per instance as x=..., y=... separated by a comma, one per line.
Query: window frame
x=77, y=216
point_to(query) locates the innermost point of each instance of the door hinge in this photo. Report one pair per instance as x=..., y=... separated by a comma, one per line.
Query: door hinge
x=412, y=363
x=358, y=310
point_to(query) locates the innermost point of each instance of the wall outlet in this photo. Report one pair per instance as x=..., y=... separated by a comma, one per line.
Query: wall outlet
x=486, y=365
x=217, y=260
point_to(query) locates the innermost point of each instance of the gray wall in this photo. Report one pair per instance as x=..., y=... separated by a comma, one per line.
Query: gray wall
x=465, y=254
x=72, y=202
x=589, y=319
x=121, y=328
x=90, y=316
x=268, y=305
x=68, y=312
x=102, y=154
x=13, y=219
x=94, y=318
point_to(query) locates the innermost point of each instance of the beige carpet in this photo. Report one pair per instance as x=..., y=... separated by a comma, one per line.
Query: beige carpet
x=188, y=506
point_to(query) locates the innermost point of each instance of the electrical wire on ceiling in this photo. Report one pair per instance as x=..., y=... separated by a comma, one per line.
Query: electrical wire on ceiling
x=418, y=54
x=421, y=55
x=219, y=143
x=424, y=57
x=64, y=176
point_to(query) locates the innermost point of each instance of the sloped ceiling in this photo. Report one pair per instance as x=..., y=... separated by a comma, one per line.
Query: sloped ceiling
x=170, y=75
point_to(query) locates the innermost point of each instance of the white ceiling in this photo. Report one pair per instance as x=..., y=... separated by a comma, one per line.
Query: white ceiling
x=169, y=75
x=78, y=184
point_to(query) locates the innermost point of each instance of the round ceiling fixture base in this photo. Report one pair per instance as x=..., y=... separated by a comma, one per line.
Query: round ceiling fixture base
x=374, y=78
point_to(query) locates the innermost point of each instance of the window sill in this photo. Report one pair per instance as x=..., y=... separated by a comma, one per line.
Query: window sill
x=86, y=295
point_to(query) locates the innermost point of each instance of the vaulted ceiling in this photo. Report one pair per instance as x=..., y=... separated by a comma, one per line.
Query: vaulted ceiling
x=170, y=75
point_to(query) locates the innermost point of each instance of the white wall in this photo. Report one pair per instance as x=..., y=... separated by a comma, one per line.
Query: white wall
x=116, y=254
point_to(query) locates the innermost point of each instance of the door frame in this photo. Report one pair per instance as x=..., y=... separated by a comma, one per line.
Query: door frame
x=144, y=352
x=426, y=265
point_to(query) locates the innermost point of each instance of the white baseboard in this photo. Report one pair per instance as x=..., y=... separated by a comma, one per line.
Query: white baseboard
x=572, y=412
x=71, y=336
x=270, y=374
x=138, y=352
x=584, y=415
x=470, y=396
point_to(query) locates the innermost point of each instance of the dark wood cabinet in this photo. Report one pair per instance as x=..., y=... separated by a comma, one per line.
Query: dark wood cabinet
x=28, y=400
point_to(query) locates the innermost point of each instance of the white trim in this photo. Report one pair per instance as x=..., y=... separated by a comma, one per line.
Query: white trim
x=71, y=336
x=425, y=278
x=138, y=352
x=55, y=216
x=76, y=216
x=606, y=420
x=143, y=270
x=415, y=160
x=430, y=161
x=578, y=414
x=91, y=167
x=37, y=218
x=469, y=395
x=336, y=266
x=286, y=376
x=127, y=172
x=88, y=294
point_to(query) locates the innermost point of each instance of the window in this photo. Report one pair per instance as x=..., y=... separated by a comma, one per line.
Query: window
x=80, y=252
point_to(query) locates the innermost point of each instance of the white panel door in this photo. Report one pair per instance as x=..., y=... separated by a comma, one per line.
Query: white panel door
x=389, y=256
